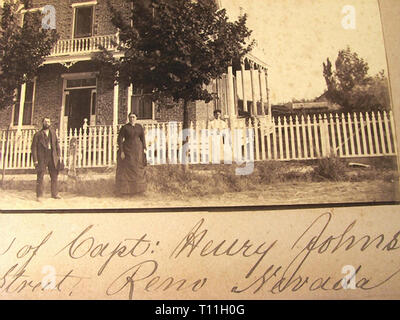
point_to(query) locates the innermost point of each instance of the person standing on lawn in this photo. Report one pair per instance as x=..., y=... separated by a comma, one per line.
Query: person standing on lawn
x=46, y=154
x=131, y=160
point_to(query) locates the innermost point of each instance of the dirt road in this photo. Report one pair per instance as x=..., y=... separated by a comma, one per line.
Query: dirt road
x=278, y=194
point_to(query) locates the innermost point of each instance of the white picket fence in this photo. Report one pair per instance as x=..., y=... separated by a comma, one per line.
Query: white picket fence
x=298, y=138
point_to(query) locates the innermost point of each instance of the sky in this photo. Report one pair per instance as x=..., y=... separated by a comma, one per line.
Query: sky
x=294, y=37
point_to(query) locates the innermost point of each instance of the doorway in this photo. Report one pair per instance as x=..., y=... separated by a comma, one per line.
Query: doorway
x=79, y=101
x=77, y=107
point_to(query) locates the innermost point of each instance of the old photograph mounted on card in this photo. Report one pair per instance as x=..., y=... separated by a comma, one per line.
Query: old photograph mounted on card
x=121, y=105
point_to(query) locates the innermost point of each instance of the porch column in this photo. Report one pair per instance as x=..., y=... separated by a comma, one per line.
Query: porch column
x=253, y=90
x=260, y=72
x=267, y=90
x=129, y=110
x=243, y=71
x=115, y=104
x=231, y=94
x=21, y=105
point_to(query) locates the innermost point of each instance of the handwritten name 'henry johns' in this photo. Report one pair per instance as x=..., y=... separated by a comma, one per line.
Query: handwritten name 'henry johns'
x=140, y=266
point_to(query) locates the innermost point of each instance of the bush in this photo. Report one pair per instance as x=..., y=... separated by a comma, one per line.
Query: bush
x=270, y=172
x=174, y=180
x=331, y=168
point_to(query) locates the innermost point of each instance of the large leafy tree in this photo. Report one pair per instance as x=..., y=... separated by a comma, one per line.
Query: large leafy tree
x=174, y=48
x=23, y=47
x=350, y=86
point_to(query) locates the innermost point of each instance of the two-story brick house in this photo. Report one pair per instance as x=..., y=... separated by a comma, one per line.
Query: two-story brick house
x=69, y=88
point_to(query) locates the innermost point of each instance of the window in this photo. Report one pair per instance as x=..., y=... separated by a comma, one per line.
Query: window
x=142, y=105
x=83, y=25
x=27, y=105
x=77, y=83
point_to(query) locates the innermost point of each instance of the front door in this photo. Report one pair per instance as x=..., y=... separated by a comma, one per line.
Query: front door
x=78, y=107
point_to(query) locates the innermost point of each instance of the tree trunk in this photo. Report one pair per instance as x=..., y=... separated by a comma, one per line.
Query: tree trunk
x=185, y=136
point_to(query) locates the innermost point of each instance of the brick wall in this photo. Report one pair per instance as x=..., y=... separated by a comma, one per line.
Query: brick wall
x=204, y=111
x=48, y=95
x=175, y=113
x=64, y=15
x=122, y=105
x=5, y=117
x=105, y=96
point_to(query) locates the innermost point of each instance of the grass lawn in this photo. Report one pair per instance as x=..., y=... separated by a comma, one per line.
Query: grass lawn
x=271, y=183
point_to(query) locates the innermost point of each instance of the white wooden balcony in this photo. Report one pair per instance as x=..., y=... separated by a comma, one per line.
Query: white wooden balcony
x=72, y=50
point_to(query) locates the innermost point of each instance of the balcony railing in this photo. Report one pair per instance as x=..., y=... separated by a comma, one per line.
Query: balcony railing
x=84, y=45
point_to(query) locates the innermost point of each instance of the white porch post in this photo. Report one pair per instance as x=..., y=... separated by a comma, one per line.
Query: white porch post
x=253, y=89
x=115, y=104
x=130, y=91
x=267, y=90
x=260, y=71
x=243, y=71
x=231, y=94
x=21, y=105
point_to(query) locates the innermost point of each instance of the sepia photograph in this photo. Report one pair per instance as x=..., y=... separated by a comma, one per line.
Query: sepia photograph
x=120, y=104
x=199, y=150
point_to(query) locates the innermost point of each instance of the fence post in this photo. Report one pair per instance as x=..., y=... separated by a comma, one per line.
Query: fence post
x=72, y=157
x=285, y=129
x=363, y=138
x=333, y=135
x=392, y=126
x=358, y=144
x=387, y=132
x=351, y=135
x=115, y=143
x=4, y=155
x=310, y=141
x=325, y=137
x=380, y=126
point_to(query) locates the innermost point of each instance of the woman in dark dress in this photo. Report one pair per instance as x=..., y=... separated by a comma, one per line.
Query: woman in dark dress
x=130, y=176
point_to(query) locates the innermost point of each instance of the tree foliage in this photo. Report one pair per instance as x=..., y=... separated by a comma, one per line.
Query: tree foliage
x=22, y=48
x=350, y=86
x=175, y=48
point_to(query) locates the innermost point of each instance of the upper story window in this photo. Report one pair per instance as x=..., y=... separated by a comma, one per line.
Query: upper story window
x=83, y=19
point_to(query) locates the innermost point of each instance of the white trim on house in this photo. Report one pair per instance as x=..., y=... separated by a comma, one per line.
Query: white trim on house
x=63, y=118
x=116, y=104
x=92, y=120
x=33, y=97
x=21, y=105
x=23, y=11
x=84, y=4
x=129, y=102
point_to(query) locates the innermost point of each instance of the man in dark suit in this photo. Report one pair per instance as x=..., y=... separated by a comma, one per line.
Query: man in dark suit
x=46, y=154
